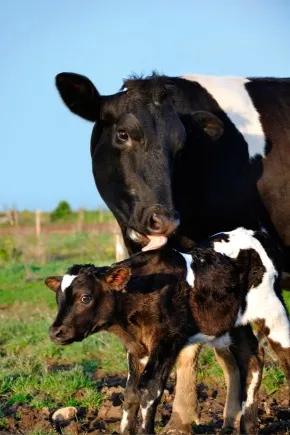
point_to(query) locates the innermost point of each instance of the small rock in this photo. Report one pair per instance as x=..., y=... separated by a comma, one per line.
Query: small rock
x=64, y=414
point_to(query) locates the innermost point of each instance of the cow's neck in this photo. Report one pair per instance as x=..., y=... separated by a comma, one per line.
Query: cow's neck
x=214, y=185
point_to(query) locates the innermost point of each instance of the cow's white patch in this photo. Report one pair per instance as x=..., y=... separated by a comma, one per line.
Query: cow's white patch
x=211, y=340
x=144, y=360
x=66, y=281
x=251, y=392
x=144, y=411
x=261, y=301
x=234, y=99
x=190, y=274
x=124, y=421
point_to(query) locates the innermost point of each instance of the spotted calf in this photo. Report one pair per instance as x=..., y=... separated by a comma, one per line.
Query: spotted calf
x=161, y=302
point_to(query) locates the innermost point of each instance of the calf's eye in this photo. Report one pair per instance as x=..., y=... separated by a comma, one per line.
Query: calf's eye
x=122, y=135
x=86, y=299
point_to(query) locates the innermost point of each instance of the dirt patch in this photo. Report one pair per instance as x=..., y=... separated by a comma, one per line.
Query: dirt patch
x=274, y=412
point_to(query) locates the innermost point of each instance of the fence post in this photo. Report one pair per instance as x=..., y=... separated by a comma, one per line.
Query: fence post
x=37, y=223
x=14, y=216
x=81, y=219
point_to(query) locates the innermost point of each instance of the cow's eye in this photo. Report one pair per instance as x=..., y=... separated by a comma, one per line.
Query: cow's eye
x=122, y=135
x=163, y=95
x=86, y=299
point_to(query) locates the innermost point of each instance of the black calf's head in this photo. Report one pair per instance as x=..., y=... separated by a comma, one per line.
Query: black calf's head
x=85, y=300
x=137, y=135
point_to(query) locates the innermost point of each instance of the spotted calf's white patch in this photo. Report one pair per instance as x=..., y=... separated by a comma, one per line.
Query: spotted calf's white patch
x=261, y=301
x=189, y=275
x=251, y=392
x=124, y=421
x=232, y=96
x=66, y=281
x=144, y=411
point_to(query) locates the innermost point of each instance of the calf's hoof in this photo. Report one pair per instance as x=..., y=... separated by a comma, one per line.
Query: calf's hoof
x=174, y=427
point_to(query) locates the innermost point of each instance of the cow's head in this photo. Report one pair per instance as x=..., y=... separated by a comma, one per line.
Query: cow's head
x=137, y=135
x=85, y=299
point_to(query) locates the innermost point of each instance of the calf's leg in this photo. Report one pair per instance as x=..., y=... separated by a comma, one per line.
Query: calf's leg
x=132, y=397
x=250, y=359
x=152, y=381
x=278, y=335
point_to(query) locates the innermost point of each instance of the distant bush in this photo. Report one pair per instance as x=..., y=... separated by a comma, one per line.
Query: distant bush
x=10, y=251
x=62, y=211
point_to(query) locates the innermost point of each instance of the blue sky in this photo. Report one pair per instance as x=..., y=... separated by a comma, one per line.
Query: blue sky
x=44, y=148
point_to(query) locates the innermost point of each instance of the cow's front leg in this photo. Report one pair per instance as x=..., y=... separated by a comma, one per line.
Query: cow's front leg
x=152, y=381
x=132, y=396
x=233, y=407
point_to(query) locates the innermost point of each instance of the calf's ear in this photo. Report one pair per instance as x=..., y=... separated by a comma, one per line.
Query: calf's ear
x=79, y=95
x=210, y=123
x=117, y=277
x=53, y=282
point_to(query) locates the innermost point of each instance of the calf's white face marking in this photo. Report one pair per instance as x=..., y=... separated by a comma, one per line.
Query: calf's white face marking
x=261, y=301
x=66, y=281
x=233, y=98
x=190, y=274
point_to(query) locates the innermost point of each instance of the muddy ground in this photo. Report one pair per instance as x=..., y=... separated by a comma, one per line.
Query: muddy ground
x=274, y=412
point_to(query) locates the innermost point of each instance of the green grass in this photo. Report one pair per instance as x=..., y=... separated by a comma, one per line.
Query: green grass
x=34, y=370
x=286, y=297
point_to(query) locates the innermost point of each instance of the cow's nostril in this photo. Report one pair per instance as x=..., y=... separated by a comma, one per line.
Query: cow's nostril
x=162, y=224
x=58, y=333
x=55, y=333
x=155, y=223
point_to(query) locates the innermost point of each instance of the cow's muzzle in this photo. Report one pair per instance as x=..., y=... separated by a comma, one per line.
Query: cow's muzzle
x=159, y=226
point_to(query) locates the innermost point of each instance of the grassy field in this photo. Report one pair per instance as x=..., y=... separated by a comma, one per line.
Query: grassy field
x=32, y=368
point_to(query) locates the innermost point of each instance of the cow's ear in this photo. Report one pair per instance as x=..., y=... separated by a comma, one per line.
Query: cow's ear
x=117, y=277
x=53, y=282
x=210, y=123
x=79, y=94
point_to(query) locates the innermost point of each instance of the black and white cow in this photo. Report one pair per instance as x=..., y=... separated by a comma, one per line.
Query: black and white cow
x=159, y=303
x=187, y=157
